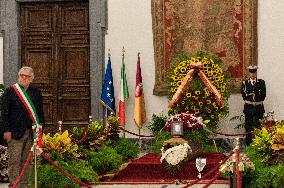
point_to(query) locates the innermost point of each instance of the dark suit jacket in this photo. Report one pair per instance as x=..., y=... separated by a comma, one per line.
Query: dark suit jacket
x=253, y=93
x=15, y=116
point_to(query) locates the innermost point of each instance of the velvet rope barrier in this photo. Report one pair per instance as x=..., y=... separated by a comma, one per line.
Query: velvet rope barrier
x=18, y=180
x=226, y=134
x=135, y=133
x=66, y=174
x=210, y=172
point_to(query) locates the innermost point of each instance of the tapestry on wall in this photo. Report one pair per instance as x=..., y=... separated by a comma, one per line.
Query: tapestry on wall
x=225, y=28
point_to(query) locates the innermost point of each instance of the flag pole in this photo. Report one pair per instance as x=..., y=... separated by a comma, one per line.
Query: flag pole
x=139, y=106
x=124, y=132
x=140, y=142
x=123, y=51
x=106, y=112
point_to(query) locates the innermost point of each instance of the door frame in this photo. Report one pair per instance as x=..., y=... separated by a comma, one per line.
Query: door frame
x=9, y=25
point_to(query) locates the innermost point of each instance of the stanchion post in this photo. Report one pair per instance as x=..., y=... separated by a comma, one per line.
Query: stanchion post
x=238, y=173
x=90, y=119
x=35, y=159
x=215, y=145
x=60, y=126
x=35, y=147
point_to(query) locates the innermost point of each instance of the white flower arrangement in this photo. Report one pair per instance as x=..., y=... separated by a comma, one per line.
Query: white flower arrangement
x=175, y=154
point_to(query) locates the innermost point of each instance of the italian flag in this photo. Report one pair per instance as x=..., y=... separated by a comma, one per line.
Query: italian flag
x=123, y=94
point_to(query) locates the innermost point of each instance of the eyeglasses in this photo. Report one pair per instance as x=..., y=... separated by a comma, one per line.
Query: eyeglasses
x=25, y=76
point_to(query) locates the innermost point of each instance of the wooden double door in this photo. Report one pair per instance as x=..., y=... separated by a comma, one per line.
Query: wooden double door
x=55, y=43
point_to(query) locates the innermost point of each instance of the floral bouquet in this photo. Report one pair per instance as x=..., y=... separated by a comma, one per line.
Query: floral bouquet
x=268, y=142
x=173, y=154
x=190, y=121
x=228, y=168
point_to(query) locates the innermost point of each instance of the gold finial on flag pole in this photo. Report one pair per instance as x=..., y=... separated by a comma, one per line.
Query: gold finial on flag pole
x=123, y=51
x=108, y=53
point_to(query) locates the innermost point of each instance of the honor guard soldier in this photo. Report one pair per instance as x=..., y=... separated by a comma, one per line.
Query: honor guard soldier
x=253, y=92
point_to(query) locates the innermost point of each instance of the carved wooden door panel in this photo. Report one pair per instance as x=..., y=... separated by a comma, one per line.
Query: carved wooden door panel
x=55, y=42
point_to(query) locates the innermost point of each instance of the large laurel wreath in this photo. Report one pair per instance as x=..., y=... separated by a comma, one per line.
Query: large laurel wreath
x=197, y=98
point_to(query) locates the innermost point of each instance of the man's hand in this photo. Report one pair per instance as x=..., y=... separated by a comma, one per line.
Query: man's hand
x=7, y=136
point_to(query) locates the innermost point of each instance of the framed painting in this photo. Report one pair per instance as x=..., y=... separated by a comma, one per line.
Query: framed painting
x=225, y=28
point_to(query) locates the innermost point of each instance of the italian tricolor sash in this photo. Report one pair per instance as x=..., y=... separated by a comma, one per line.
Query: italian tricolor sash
x=37, y=127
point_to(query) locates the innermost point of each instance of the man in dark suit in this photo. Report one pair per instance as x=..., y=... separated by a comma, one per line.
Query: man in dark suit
x=18, y=120
x=253, y=92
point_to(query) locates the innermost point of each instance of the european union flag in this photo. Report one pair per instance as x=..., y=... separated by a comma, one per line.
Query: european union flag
x=107, y=96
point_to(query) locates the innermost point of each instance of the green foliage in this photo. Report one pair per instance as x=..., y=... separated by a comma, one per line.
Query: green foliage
x=102, y=151
x=106, y=160
x=157, y=123
x=211, y=148
x=201, y=140
x=159, y=140
x=97, y=133
x=126, y=148
x=112, y=131
x=268, y=142
x=199, y=135
x=50, y=177
x=262, y=143
x=60, y=143
x=77, y=132
x=269, y=176
x=254, y=156
x=196, y=84
x=265, y=174
x=240, y=119
x=95, y=130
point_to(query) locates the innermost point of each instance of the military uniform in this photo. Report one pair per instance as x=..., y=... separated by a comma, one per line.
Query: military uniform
x=253, y=94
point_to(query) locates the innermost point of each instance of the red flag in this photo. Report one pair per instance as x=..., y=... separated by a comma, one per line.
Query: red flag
x=139, y=106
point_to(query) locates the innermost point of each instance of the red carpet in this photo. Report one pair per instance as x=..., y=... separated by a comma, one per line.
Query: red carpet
x=148, y=168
